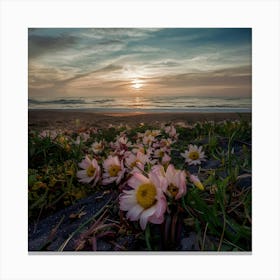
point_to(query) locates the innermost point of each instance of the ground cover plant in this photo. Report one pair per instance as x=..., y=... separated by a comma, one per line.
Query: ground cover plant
x=167, y=188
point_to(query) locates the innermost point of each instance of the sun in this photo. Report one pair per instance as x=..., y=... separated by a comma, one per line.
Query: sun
x=136, y=84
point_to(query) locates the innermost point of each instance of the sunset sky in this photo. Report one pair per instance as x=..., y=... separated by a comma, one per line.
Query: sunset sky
x=173, y=61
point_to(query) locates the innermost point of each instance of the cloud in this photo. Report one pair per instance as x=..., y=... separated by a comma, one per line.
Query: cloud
x=118, y=33
x=94, y=78
x=44, y=77
x=110, y=42
x=181, y=60
x=237, y=80
x=229, y=77
x=38, y=45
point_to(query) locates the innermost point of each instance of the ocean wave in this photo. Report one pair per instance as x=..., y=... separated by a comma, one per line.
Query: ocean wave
x=101, y=101
x=141, y=103
x=69, y=101
x=57, y=101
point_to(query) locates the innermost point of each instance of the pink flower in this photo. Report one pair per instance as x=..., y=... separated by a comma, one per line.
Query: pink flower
x=136, y=161
x=176, y=180
x=159, y=153
x=171, y=131
x=153, y=133
x=91, y=171
x=145, y=201
x=122, y=143
x=165, y=159
x=138, y=148
x=162, y=155
x=114, y=170
x=84, y=136
x=148, y=140
x=48, y=133
x=159, y=170
x=165, y=143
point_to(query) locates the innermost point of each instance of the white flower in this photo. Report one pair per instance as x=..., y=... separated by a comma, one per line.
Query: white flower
x=194, y=155
x=91, y=171
x=78, y=140
x=97, y=147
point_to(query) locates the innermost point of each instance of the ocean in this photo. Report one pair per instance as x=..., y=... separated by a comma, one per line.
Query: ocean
x=145, y=104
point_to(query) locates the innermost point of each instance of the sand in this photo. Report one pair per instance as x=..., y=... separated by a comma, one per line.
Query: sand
x=76, y=119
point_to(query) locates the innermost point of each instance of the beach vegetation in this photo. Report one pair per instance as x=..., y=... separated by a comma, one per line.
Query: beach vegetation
x=173, y=187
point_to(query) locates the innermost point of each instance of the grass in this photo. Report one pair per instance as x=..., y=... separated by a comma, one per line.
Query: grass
x=216, y=219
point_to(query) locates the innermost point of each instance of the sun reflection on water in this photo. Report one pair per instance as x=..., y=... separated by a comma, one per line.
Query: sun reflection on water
x=136, y=102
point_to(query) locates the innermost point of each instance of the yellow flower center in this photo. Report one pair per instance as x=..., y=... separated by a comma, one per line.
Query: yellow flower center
x=154, y=133
x=173, y=190
x=90, y=170
x=99, y=146
x=193, y=155
x=61, y=140
x=146, y=195
x=67, y=147
x=134, y=163
x=114, y=170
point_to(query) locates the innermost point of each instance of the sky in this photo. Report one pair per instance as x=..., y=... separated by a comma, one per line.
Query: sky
x=67, y=62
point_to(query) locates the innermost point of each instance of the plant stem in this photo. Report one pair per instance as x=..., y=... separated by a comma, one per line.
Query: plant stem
x=204, y=236
x=147, y=237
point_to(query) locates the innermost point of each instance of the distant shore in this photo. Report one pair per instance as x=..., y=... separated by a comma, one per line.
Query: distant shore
x=76, y=119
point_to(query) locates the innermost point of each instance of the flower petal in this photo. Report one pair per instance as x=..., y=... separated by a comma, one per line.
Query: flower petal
x=127, y=202
x=82, y=174
x=137, y=179
x=134, y=213
x=108, y=181
x=84, y=164
x=86, y=180
x=145, y=216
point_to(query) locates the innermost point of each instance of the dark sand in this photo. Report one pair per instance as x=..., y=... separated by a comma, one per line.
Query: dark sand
x=89, y=118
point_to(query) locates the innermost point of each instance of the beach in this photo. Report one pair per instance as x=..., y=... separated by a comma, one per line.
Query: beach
x=75, y=119
x=210, y=162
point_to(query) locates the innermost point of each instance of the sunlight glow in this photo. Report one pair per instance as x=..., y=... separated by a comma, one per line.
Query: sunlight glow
x=136, y=84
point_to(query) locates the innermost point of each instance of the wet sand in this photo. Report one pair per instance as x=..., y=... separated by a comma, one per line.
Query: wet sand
x=90, y=118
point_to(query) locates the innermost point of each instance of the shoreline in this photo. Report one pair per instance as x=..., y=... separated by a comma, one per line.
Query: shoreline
x=151, y=111
x=80, y=118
